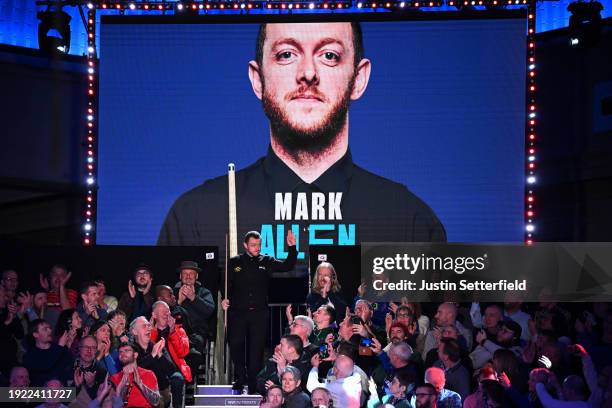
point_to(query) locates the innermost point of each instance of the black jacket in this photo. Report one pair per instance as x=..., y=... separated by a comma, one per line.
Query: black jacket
x=270, y=372
x=162, y=366
x=248, y=279
x=199, y=310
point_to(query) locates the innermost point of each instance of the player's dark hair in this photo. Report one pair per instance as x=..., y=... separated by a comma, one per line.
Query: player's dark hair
x=251, y=234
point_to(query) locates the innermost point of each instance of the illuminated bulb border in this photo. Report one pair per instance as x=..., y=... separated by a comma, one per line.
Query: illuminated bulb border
x=530, y=131
x=89, y=225
x=197, y=5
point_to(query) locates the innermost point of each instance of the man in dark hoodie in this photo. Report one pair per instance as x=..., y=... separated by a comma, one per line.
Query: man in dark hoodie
x=138, y=299
x=194, y=298
x=45, y=359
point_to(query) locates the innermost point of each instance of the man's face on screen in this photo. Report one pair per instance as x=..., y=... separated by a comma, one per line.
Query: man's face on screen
x=307, y=74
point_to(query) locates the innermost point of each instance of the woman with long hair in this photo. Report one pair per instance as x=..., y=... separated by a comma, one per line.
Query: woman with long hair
x=326, y=290
x=105, y=354
x=69, y=330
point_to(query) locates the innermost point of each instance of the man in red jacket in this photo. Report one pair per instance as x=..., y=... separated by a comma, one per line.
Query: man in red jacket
x=177, y=342
x=135, y=385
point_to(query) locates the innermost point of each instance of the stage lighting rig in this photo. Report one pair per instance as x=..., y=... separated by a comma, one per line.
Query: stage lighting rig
x=54, y=29
x=585, y=22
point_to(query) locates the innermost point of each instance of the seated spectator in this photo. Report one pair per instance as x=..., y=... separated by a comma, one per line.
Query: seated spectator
x=426, y=396
x=273, y=398
x=19, y=377
x=477, y=399
x=293, y=394
x=107, y=396
x=106, y=355
x=508, y=337
x=89, y=309
x=493, y=394
x=405, y=315
x=397, y=393
x=363, y=310
x=457, y=376
x=445, y=398
x=136, y=386
x=343, y=383
x=508, y=363
x=105, y=301
x=323, y=319
x=155, y=357
x=68, y=330
x=138, y=299
x=59, y=297
x=448, y=332
x=195, y=357
x=321, y=398
x=554, y=356
x=397, y=333
x=34, y=306
x=302, y=326
x=573, y=393
x=88, y=372
x=10, y=333
x=551, y=316
x=446, y=316
x=326, y=290
x=288, y=352
x=10, y=283
x=599, y=390
x=537, y=375
x=165, y=294
x=44, y=359
x=348, y=337
x=513, y=310
x=489, y=321
x=116, y=322
x=376, y=300
x=598, y=343
x=396, y=361
x=52, y=384
x=194, y=298
x=177, y=342
x=414, y=309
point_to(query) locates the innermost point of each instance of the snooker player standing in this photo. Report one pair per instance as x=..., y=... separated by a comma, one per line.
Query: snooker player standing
x=247, y=286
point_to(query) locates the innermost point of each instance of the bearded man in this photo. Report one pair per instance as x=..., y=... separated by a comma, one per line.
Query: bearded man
x=306, y=76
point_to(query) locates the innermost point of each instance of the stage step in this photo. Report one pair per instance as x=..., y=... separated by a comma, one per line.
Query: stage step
x=215, y=390
x=211, y=396
x=227, y=400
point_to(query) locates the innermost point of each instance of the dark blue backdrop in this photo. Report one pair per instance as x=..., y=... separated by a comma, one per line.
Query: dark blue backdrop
x=444, y=114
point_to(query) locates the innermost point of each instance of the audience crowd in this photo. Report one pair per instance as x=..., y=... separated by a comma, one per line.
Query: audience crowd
x=144, y=347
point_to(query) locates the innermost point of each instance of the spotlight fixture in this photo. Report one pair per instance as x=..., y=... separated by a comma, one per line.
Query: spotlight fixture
x=584, y=23
x=54, y=30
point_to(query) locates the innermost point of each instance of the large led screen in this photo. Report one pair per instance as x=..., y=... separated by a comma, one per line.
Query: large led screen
x=344, y=128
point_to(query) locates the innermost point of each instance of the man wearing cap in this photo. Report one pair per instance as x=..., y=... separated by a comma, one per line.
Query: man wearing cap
x=508, y=337
x=138, y=299
x=247, y=287
x=194, y=298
